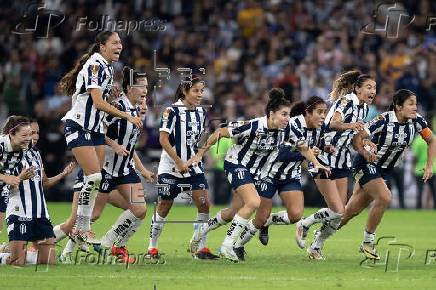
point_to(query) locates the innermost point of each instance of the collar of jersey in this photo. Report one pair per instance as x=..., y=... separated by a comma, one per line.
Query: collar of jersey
x=100, y=57
x=393, y=118
x=126, y=99
x=354, y=98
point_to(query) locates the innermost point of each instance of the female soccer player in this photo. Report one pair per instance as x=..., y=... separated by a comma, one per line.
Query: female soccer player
x=259, y=139
x=117, y=197
x=119, y=172
x=28, y=218
x=351, y=94
x=89, y=83
x=392, y=132
x=284, y=175
x=181, y=127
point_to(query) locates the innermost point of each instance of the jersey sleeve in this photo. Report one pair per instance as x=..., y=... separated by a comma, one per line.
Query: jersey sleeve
x=375, y=125
x=110, y=119
x=94, y=76
x=345, y=107
x=296, y=136
x=168, y=121
x=240, y=129
x=422, y=127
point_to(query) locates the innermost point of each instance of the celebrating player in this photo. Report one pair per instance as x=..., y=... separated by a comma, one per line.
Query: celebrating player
x=284, y=175
x=392, y=132
x=351, y=93
x=89, y=83
x=181, y=127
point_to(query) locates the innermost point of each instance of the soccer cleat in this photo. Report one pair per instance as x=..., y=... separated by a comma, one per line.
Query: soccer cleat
x=4, y=248
x=369, y=250
x=66, y=259
x=153, y=253
x=88, y=237
x=123, y=254
x=205, y=254
x=79, y=243
x=240, y=253
x=195, y=240
x=315, y=254
x=301, y=234
x=227, y=253
x=263, y=235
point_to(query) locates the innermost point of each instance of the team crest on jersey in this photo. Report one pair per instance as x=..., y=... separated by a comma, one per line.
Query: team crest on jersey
x=23, y=229
x=166, y=113
x=344, y=101
x=94, y=69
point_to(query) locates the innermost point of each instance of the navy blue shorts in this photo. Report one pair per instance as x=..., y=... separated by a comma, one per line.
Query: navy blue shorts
x=29, y=229
x=76, y=136
x=237, y=174
x=78, y=182
x=336, y=173
x=109, y=183
x=268, y=187
x=169, y=186
x=4, y=199
x=367, y=172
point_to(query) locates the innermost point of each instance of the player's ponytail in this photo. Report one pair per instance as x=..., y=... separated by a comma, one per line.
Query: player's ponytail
x=13, y=123
x=346, y=83
x=130, y=77
x=301, y=108
x=276, y=101
x=187, y=86
x=67, y=85
x=399, y=98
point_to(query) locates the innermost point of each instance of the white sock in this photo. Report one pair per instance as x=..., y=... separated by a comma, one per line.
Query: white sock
x=122, y=241
x=120, y=227
x=246, y=235
x=69, y=247
x=86, y=201
x=213, y=223
x=368, y=237
x=280, y=218
x=31, y=257
x=59, y=234
x=155, y=230
x=3, y=258
x=238, y=223
x=321, y=215
x=327, y=230
x=202, y=217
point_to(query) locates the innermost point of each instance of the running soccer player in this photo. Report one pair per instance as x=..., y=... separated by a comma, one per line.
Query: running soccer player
x=351, y=94
x=392, y=132
x=282, y=173
x=119, y=171
x=258, y=140
x=181, y=128
x=89, y=83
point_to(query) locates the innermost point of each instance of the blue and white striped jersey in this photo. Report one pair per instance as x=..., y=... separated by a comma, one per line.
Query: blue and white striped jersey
x=95, y=73
x=351, y=112
x=125, y=134
x=299, y=133
x=185, y=128
x=27, y=200
x=9, y=159
x=392, y=138
x=255, y=145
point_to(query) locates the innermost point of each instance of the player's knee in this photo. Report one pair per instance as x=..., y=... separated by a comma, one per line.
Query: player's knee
x=139, y=211
x=295, y=215
x=253, y=203
x=385, y=198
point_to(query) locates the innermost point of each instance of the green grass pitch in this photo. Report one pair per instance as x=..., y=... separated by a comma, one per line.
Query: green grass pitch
x=280, y=265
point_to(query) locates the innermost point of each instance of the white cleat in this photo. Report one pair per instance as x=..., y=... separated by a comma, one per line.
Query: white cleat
x=227, y=253
x=301, y=234
x=315, y=254
x=196, y=238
